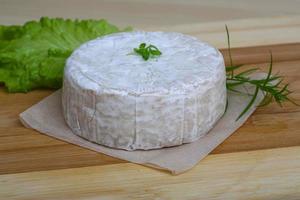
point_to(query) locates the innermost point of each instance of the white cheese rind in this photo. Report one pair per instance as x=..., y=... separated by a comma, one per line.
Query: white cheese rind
x=115, y=98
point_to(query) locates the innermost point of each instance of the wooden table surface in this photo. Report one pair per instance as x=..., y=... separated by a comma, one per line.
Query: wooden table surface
x=259, y=161
x=147, y=13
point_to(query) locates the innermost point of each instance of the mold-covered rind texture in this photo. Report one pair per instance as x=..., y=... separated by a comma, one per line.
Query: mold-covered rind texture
x=115, y=98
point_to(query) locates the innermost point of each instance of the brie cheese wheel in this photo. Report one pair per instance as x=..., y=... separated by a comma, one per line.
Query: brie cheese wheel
x=113, y=97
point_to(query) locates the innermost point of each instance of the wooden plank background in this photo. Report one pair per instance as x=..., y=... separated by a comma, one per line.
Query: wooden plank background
x=259, y=161
x=25, y=150
x=144, y=13
x=244, y=175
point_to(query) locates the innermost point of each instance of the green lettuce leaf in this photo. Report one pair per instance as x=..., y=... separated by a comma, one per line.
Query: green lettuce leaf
x=33, y=55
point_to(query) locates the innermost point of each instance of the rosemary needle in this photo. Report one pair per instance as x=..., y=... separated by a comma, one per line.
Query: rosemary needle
x=271, y=85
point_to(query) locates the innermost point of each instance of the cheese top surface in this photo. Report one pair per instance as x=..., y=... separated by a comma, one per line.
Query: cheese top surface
x=109, y=63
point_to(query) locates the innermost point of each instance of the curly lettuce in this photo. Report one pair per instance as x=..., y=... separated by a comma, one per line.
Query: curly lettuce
x=33, y=55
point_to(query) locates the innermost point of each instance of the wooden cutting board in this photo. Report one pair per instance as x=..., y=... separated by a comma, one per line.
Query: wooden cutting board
x=259, y=161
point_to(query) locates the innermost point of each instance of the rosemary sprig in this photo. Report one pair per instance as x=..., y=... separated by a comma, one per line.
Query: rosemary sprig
x=271, y=85
x=229, y=49
x=147, y=51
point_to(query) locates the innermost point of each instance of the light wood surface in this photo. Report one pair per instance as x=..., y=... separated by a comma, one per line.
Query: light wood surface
x=264, y=174
x=243, y=32
x=25, y=150
x=259, y=161
x=141, y=13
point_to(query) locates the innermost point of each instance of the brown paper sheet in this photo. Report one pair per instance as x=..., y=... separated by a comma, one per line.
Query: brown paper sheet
x=47, y=118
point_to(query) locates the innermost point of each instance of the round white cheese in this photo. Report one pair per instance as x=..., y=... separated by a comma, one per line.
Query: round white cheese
x=112, y=96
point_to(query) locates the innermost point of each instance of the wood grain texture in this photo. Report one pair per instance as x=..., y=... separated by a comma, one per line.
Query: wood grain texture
x=25, y=150
x=140, y=13
x=251, y=23
x=244, y=32
x=244, y=175
x=259, y=161
x=261, y=54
